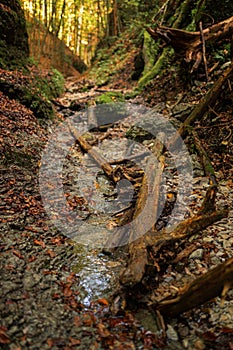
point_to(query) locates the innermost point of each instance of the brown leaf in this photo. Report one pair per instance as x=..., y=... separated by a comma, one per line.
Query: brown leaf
x=41, y=243
x=74, y=341
x=4, y=339
x=102, y=302
x=18, y=254
x=71, y=278
x=102, y=330
x=32, y=258
x=67, y=291
x=51, y=253
x=50, y=342
x=77, y=321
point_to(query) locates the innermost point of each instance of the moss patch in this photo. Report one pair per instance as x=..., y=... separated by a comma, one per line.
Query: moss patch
x=110, y=97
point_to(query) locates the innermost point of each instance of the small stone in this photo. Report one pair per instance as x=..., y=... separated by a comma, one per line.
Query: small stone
x=171, y=333
x=199, y=345
x=197, y=254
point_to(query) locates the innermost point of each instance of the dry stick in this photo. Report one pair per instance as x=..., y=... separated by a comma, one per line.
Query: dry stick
x=148, y=197
x=214, y=283
x=99, y=159
x=130, y=158
x=208, y=100
x=185, y=229
x=204, y=51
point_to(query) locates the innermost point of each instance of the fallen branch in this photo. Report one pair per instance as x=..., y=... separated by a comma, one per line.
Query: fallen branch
x=215, y=282
x=98, y=158
x=135, y=270
x=204, y=51
x=206, y=163
x=185, y=229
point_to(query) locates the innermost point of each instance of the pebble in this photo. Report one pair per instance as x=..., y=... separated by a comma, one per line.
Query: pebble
x=171, y=333
x=197, y=254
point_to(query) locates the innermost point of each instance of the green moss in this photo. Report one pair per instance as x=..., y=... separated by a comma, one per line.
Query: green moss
x=157, y=68
x=150, y=52
x=110, y=97
x=51, y=85
x=42, y=108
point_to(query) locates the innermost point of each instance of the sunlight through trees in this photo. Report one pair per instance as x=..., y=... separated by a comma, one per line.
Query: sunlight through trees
x=80, y=24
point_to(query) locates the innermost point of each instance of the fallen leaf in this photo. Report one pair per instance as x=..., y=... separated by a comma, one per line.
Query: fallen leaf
x=77, y=321
x=74, y=341
x=51, y=253
x=102, y=302
x=4, y=339
x=41, y=243
x=18, y=254
x=102, y=330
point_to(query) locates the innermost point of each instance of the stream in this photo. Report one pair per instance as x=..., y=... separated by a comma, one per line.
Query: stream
x=92, y=199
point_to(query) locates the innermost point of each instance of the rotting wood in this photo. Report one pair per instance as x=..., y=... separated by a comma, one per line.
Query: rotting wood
x=158, y=240
x=185, y=229
x=138, y=259
x=204, y=51
x=216, y=282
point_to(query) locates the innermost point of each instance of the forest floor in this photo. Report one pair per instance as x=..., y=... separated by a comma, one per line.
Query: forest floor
x=41, y=294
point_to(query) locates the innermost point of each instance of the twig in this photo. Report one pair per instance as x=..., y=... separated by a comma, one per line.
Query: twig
x=204, y=51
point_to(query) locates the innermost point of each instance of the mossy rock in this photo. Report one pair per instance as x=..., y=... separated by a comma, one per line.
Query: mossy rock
x=28, y=96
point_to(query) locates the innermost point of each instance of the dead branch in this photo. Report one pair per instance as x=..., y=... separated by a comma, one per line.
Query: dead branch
x=98, y=158
x=135, y=270
x=207, y=101
x=206, y=163
x=215, y=282
x=204, y=50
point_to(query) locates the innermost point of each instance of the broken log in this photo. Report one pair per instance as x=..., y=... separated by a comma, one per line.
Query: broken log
x=149, y=196
x=185, y=229
x=135, y=270
x=215, y=282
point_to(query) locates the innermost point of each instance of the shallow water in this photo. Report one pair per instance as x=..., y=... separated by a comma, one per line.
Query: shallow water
x=97, y=274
